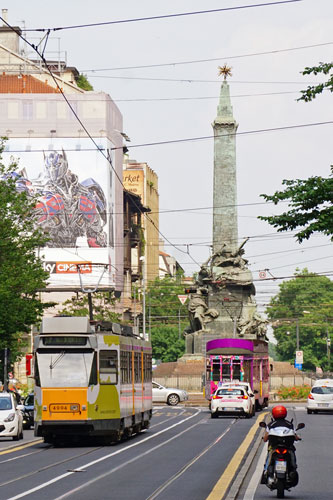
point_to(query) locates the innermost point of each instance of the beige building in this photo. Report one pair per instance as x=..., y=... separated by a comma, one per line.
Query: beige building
x=140, y=179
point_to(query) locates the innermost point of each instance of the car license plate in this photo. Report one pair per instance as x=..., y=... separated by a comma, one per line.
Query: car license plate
x=323, y=405
x=280, y=466
x=230, y=409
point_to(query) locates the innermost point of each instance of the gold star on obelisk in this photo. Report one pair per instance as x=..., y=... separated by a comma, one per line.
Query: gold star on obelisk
x=225, y=71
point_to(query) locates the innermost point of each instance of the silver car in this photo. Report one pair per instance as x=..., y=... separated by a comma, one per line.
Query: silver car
x=163, y=394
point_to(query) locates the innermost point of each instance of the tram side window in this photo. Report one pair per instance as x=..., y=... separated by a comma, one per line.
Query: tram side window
x=108, y=367
x=147, y=367
x=124, y=367
x=137, y=367
x=37, y=377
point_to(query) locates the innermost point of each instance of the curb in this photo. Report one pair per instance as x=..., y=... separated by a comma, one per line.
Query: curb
x=238, y=482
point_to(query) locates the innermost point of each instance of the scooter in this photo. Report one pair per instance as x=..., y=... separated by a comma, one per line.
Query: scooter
x=281, y=474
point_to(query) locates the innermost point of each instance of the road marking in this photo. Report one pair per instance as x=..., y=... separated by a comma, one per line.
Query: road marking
x=101, y=459
x=178, y=474
x=22, y=447
x=170, y=418
x=253, y=484
x=223, y=483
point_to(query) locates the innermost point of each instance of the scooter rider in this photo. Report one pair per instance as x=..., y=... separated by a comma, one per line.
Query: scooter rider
x=279, y=414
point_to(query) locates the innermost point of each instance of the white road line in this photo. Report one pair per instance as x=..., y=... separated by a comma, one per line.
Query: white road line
x=62, y=476
x=253, y=484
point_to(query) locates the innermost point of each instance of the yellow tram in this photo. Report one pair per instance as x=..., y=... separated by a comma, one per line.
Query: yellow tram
x=90, y=380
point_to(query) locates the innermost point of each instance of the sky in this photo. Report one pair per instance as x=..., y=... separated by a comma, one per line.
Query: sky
x=179, y=101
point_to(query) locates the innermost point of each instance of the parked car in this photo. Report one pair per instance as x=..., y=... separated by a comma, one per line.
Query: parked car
x=231, y=400
x=11, y=418
x=28, y=412
x=320, y=398
x=248, y=390
x=163, y=394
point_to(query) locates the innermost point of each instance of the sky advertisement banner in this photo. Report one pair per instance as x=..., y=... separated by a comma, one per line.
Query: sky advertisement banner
x=75, y=207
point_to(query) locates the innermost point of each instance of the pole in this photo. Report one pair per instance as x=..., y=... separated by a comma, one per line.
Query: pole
x=328, y=341
x=144, y=298
x=5, y=370
x=90, y=306
x=235, y=327
x=297, y=335
x=149, y=328
x=179, y=323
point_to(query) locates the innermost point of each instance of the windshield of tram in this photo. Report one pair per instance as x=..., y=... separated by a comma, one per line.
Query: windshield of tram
x=64, y=368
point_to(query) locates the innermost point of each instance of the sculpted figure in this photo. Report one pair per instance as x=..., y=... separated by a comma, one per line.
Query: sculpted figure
x=199, y=312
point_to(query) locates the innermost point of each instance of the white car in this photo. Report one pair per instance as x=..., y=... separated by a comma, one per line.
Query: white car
x=168, y=395
x=320, y=398
x=231, y=400
x=11, y=418
x=248, y=390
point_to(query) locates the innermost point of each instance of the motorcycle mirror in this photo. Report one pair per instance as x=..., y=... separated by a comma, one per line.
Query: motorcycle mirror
x=300, y=426
x=262, y=424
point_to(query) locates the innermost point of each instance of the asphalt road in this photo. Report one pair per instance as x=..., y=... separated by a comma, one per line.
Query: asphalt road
x=314, y=458
x=181, y=456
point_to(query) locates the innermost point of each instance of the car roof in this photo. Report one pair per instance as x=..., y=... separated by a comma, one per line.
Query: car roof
x=5, y=394
x=322, y=382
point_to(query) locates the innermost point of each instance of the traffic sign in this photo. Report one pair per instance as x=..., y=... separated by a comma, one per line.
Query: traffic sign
x=299, y=357
x=183, y=298
x=298, y=366
x=262, y=275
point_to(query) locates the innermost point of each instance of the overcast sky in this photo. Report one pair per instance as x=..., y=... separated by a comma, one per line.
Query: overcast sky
x=168, y=103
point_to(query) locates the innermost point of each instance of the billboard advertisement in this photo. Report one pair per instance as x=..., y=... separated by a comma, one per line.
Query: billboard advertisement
x=133, y=181
x=76, y=206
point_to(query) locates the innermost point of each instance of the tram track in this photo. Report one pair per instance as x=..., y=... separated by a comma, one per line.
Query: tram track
x=46, y=467
x=101, y=459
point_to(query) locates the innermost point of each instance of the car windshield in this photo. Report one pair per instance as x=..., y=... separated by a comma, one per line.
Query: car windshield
x=29, y=400
x=322, y=390
x=5, y=403
x=230, y=392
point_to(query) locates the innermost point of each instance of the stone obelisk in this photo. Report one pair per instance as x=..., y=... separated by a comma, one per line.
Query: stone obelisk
x=225, y=226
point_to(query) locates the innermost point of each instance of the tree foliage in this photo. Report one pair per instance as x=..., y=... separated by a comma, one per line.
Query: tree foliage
x=103, y=306
x=83, y=82
x=306, y=300
x=310, y=200
x=166, y=318
x=313, y=90
x=21, y=270
x=310, y=206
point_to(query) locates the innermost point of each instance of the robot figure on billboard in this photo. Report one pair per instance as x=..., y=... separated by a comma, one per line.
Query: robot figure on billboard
x=68, y=209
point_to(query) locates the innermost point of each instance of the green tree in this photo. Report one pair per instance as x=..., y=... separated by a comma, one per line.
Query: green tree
x=304, y=302
x=83, y=83
x=310, y=207
x=313, y=90
x=21, y=270
x=166, y=317
x=310, y=200
x=103, y=306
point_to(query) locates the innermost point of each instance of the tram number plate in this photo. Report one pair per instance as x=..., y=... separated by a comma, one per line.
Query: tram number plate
x=64, y=408
x=280, y=466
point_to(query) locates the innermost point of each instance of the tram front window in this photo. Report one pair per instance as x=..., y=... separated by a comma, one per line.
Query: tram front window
x=64, y=368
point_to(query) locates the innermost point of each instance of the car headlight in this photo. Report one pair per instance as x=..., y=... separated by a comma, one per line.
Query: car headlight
x=10, y=417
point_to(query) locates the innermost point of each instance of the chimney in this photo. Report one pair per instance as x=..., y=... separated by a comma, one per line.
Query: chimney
x=9, y=37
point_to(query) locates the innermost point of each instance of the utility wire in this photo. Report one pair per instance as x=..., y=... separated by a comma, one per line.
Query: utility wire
x=106, y=156
x=190, y=80
x=165, y=16
x=197, y=61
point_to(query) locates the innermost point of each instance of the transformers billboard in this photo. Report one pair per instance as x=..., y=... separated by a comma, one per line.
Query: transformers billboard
x=75, y=189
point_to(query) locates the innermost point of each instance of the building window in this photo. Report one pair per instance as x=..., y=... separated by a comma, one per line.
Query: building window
x=27, y=110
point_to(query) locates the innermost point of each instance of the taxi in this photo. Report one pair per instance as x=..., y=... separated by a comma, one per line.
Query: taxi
x=230, y=401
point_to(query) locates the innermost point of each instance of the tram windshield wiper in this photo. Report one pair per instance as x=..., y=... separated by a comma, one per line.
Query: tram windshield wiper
x=56, y=361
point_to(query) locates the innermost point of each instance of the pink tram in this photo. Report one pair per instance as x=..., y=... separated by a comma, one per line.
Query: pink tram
x=240, y=360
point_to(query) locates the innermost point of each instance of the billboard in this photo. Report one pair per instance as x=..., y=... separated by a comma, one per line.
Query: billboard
x=76, y=206
x=133, y=181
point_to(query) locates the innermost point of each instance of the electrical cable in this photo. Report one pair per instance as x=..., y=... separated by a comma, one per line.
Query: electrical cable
x=107, y=157
x=190, y=80
x=165, y=16
x=197, y=61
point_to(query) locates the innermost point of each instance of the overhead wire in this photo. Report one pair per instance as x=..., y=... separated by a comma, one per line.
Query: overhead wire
x=198, y=61
x=109, y=160
x=164, y=16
